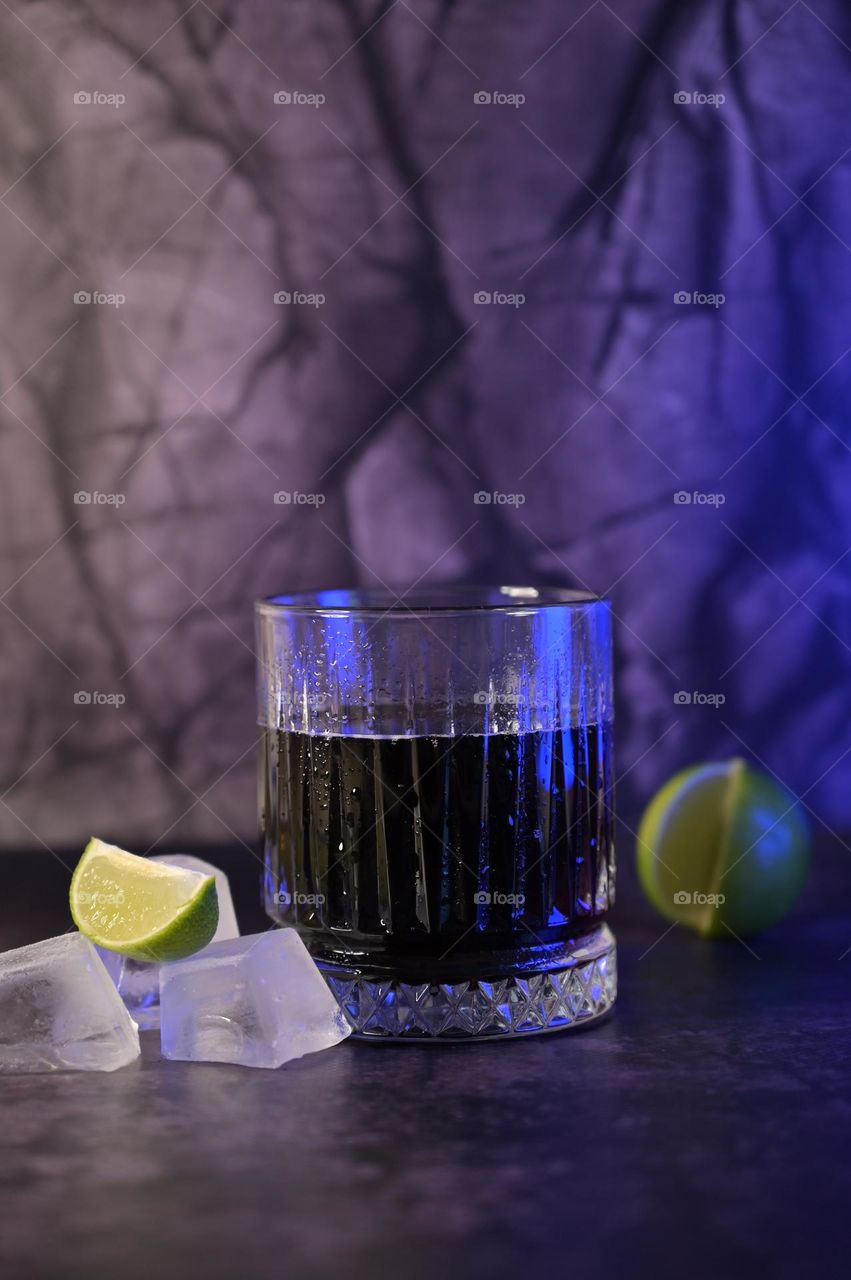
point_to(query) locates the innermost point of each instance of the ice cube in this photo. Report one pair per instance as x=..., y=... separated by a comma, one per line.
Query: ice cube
x=259, y=1001
x=60, y=1011
x=138, y=982
x=227, y=928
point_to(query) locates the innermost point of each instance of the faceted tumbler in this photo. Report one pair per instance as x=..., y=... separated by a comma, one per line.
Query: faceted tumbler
x=436, y=803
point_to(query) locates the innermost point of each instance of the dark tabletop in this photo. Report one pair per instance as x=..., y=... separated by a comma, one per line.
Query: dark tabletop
x=703, y=1131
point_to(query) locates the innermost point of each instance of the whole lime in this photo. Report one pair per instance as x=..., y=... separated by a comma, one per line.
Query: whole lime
x=723, y=849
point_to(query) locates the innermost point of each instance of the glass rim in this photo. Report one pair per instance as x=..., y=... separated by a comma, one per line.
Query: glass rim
x=444, y=598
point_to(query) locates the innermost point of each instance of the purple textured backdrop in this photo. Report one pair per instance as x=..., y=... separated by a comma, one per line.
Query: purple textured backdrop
x=420, y=154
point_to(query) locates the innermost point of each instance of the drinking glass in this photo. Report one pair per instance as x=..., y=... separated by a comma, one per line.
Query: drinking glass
x=436, y=804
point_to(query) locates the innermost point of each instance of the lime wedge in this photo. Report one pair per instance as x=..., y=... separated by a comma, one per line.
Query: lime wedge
x=723, y=849
x=142, y=909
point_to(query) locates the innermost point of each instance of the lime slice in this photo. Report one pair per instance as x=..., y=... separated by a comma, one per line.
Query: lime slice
x=146, y=910
x=723, y=849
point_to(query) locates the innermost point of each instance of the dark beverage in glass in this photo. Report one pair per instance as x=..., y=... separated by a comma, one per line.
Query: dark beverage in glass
x=449, y=884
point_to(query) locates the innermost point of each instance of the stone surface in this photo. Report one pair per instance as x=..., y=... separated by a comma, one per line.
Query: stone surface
x=700, y=1131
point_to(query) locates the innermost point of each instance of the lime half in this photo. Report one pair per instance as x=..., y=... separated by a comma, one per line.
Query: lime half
x=147, y=910
x=723, y=849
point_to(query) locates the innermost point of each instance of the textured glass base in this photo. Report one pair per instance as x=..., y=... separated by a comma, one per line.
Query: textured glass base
x=579, y=990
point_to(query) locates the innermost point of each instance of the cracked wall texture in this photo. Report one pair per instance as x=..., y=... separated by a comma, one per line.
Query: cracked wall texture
x=399, y=198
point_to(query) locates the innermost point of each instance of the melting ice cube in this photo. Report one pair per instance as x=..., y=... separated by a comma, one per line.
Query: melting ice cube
x=60, y=1011
x=138, y=982
x=259, y=1001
